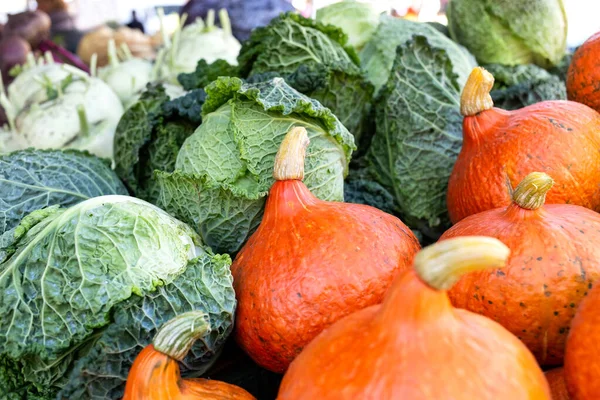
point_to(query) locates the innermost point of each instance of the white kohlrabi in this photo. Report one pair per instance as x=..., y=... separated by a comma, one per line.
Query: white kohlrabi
x=67, y=109
x=201, y=40
x=126, y=75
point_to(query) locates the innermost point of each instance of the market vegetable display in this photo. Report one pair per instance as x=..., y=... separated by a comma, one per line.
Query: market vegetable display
x=511, y=31
x=581, y=370
x=310, y=263
x=523, y=85
x=556, y=380
x=34, y=179
x=554, y=262
x=84, y=289
x=223, y=171
x=314, y=59
x=584, y=73
x=54, y=106
x=416, y=345
x=378, y=55
x=155, y=373
x=126, y=75
x=501, y=147
x=357, y=19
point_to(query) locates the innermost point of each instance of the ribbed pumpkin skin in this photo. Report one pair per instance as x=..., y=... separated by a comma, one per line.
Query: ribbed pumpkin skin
x=555, y=258
x=556, y=380
x=582, y=358
x=583, y=76
x=310, y=263
x=560, y=138
x=414, y=346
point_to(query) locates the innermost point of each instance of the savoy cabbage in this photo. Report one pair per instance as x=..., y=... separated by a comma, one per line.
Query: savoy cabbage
x=224, y=169
x=82, y=289
x=34, y=179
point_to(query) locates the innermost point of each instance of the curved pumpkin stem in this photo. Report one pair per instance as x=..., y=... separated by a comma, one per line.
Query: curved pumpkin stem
x=475, y=96
x=289, y=161
x=176, y=337
x=531, y=191
x=442, y=264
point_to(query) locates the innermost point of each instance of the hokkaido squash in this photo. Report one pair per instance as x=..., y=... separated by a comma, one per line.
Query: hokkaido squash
x=582, y=357
x=556, y=380
x=561, y=138
x=583, y=75
x=415, y=345
x=310, y=262
x=155, y=373
x=555, y=259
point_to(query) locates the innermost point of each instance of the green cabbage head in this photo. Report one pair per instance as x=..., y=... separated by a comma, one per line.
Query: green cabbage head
x=510, y=32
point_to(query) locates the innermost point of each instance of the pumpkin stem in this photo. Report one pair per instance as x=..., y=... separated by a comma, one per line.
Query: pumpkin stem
x=442, y=264
x=475, y=96
x=289, y=161
x=176, y=337
x=531, y=192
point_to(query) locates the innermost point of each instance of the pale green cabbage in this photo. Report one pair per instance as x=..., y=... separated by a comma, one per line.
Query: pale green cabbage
x=358, y=20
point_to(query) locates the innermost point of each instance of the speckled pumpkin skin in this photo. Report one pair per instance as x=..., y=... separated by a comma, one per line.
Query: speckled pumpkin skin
x=582, y=358
x=583, y=75
x=310, y=263
x=414, y=346
x=554, y=261
x=560, y=138
x=556, y=380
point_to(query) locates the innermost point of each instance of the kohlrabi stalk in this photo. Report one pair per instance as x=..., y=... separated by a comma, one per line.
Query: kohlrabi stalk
x=113, y=58
x=125, y=52
x=8, y=107
x=94, y=65
x=84, y=126
x=225, y=22
x=49, y=58
x=163, y=31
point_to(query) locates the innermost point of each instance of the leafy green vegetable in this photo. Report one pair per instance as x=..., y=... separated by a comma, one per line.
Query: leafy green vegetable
x=313, y=58
x=510, y=32
x=377, y=57
x=418, y=134
x=150, y=134
x=34, y=179
x=82, y=286
x=521, y=85
x=206, y=73
x=358, y=19
x=224, y=170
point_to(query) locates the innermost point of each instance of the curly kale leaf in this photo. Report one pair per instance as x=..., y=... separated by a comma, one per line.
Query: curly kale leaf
x=205, y=285
x=13, y=385
x=34, y=179
x=522, y=85
x=418, y=134
x=205, y=73
x=312, y=58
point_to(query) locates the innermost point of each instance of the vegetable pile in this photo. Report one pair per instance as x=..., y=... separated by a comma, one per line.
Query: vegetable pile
x=355, y=206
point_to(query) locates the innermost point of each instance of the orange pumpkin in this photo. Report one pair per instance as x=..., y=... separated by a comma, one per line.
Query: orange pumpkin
x=554, y=260
x=416, y=345
x=155, y=373
x=561, y=138
x=310, y=263
x=582, y=357
x=583, y=75
x=556, y=380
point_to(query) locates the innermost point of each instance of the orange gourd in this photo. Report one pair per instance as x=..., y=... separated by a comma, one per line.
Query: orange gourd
x=561, y=138
x=556, y=380
x=582, y=357
x=583, y=75
x=555, y=258
x=415, y=345
x=155, y=373
x=310, y=263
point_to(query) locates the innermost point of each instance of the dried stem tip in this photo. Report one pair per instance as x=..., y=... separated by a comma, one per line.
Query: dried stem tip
x=475, y=96
x=176, y=337
x=442, y=264
x=289, y=161
x=531, y=192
